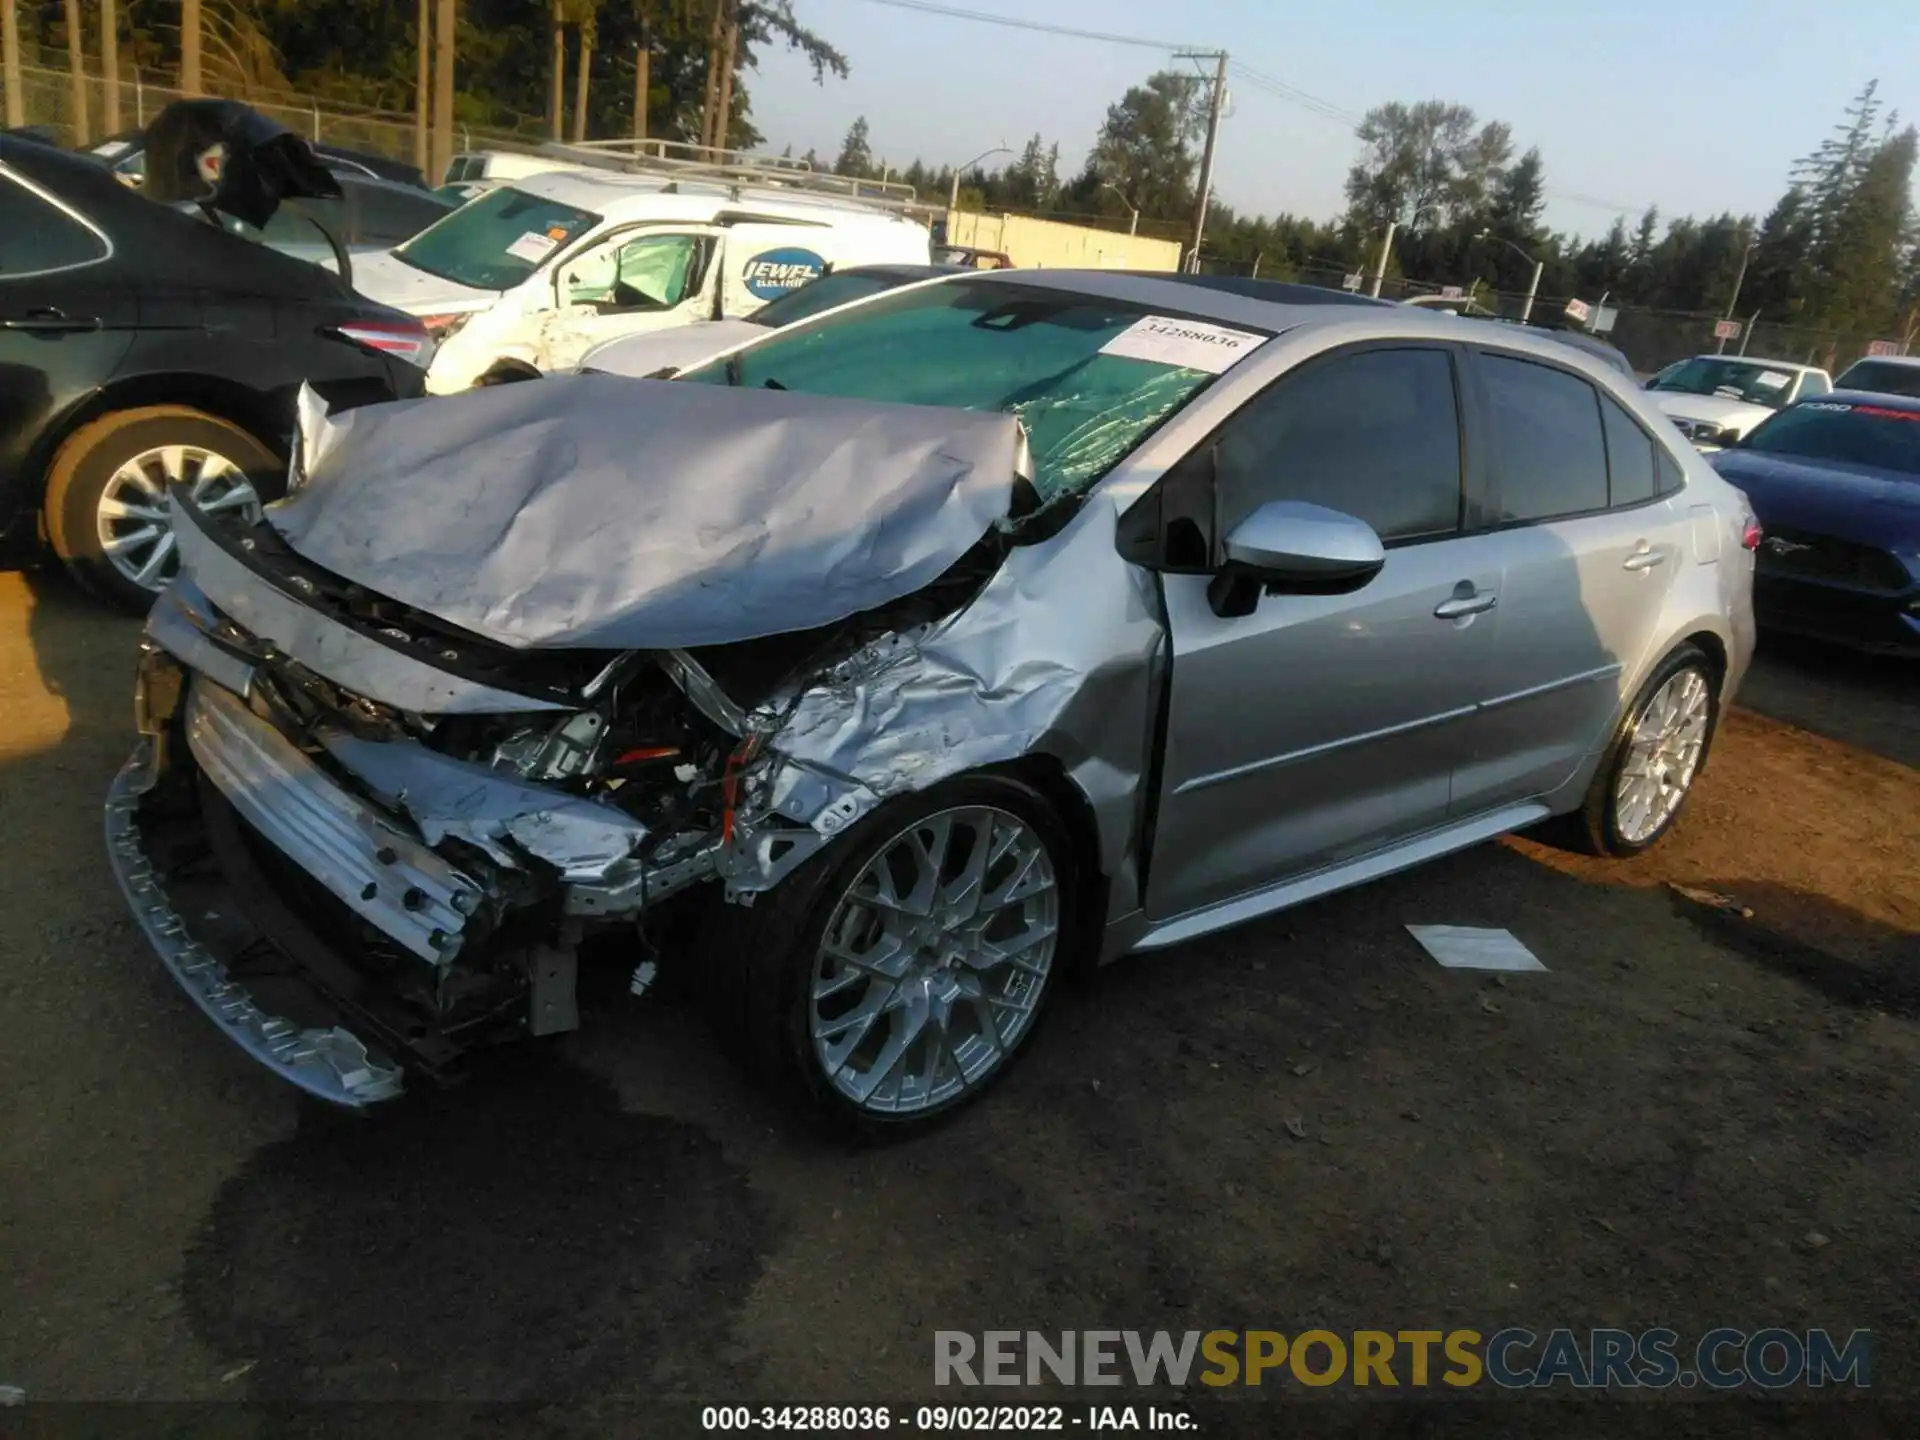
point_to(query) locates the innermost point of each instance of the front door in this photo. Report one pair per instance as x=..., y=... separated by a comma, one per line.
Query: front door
x=1320, y=728
x=632, y=282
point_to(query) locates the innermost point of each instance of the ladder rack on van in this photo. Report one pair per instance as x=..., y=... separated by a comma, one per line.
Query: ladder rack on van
x=679, y=160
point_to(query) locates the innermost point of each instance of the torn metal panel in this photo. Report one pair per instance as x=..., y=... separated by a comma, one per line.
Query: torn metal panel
x=585, y=840
x=369, y=864
x=594, y=511
x=325, y=646
x=1055, y=659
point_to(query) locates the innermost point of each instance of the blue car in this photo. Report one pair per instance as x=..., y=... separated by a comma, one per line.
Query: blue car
x=1835, y=483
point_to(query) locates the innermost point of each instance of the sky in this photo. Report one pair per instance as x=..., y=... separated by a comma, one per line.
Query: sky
x=1694, y=107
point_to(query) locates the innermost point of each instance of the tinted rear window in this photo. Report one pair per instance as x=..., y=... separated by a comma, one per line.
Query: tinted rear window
x=1880, y=376
x=1629, y=456
x=1546, y=435
x=1878, y=436
x=37, y=237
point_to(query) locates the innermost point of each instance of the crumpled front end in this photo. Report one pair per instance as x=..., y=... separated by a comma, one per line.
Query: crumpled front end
x=366, y=839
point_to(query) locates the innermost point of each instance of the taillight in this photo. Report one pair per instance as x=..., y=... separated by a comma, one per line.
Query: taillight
x=441, y=326
x=403, y=337
x=1750, y=537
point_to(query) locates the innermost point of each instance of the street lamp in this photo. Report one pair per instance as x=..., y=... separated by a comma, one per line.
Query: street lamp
x=1133, y=225
x=1533, y=289
x=1720, y=346
x=1386, y=248
x=953, y=195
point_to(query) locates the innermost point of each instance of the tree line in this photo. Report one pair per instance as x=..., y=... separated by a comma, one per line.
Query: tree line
x=1839, y=252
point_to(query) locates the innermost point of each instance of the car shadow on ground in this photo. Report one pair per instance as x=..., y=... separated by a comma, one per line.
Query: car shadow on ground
x=1871, y=702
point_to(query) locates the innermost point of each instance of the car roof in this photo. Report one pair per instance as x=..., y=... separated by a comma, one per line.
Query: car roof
x=1910, y=404
x=1277, y=306
x=1903, y=361
x=1755, y=360
x=619, y=196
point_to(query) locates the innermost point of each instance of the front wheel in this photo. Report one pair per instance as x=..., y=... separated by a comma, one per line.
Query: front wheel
x=106, y=508
x=1656, y=755
x=900, y=972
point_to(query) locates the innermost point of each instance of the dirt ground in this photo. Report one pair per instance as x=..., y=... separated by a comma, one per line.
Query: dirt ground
x=1694, y=1119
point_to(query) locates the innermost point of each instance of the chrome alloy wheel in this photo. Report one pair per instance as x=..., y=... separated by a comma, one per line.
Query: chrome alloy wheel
x=136, y=531
x=933, y=963
x=1663, y=755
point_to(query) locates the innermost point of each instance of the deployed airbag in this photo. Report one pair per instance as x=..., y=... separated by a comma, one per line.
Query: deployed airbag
x=603, y=512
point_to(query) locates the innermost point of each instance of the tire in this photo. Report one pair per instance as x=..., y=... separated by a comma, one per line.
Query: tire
x=762, y=979
x=1607, y=825
x=123, y=460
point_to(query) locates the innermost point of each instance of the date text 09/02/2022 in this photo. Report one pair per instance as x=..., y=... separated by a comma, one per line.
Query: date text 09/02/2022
x=868, y=1419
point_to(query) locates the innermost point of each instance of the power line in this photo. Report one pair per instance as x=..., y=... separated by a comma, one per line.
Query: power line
x=1306, y=100
x=954, y=12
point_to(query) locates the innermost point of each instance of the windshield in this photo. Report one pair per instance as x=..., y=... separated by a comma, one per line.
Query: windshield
x=1753, y=381
x=1872, y=435
x=498, y=240
x=822, y=294
x=1088, y=378
x=1882, y=376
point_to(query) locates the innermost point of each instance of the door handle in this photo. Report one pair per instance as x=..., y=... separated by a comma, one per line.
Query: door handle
x=1644, y=558
x=48, y=320
x=1466, y=605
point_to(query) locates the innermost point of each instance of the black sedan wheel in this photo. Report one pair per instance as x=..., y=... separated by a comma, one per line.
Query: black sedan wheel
x=106, y=506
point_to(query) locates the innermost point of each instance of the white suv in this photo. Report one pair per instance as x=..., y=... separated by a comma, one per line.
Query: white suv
x=544, y=269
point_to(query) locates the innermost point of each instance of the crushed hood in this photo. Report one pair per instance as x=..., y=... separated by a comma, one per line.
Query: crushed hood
x=597, y=511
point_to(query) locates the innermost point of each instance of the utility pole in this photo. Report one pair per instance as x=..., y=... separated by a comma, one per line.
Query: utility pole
x=557, y=77
x=710, y=96
x=110, y=67
x=10, y=64
x=446, y=16
x=77, y=72
x=423, y=87
x=1214, y=108
x=1720, y=347
x=581, y=76
x=729, y=49
x=1526, y=312
x=642, y=79
x=190, y=47
x=1386, y=249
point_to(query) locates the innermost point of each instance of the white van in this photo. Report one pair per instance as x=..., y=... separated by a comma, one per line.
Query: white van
x=543, y=270
x=471, y=165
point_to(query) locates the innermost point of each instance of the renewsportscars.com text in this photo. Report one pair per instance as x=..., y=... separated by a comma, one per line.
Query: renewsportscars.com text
x=1513, y=1358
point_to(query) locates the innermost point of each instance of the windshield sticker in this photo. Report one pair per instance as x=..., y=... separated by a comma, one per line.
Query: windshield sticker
x=532, y=247
x=1189, y=344
x=556, y=233
x=109, y=149
x=772, y=273
x=1772, y=380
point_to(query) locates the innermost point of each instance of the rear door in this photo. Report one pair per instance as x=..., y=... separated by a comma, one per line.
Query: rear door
x=66, y=319
x=1588, y=551
x=1321, y=727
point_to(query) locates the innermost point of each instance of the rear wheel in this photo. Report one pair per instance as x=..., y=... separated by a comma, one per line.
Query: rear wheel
x=106, y=507
x=1656, y=755
x=898, y=974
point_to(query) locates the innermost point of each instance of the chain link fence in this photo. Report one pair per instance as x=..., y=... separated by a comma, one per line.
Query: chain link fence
x=48, y=97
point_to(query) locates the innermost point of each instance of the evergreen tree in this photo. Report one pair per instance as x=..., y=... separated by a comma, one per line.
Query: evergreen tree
x=856, y=155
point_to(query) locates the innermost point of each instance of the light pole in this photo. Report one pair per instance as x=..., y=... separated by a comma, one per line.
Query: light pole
x=953, y=195
x=1720, y=346
x=1386, y=248
x=1533, y=289
x=1133, y=225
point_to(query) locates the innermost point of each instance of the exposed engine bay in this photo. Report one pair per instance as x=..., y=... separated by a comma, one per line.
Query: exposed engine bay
x=425, y=824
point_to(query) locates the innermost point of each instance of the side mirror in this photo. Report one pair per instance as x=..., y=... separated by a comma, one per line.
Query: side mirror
x=1293, y=548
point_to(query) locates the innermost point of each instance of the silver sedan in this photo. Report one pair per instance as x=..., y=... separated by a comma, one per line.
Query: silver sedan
x=882, y=669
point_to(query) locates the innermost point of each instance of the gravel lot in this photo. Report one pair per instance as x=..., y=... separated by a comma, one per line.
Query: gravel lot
x=1694, y=1119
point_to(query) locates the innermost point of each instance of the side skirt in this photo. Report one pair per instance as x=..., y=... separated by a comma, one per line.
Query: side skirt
x=1137, y=932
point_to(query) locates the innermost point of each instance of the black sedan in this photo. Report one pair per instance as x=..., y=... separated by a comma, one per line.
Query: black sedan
x=1835, y=483
x=140, y=347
